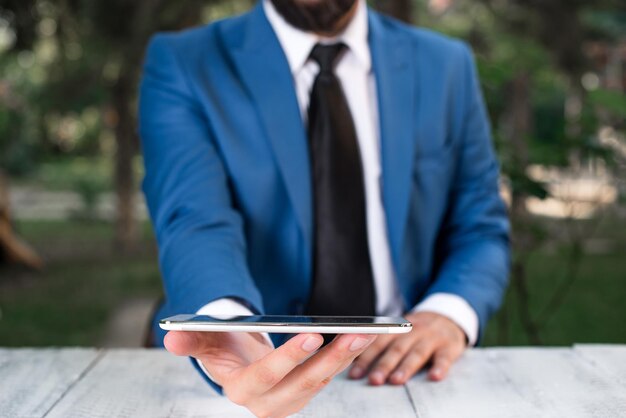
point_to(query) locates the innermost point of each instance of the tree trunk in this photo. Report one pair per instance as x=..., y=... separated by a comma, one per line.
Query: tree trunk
x=400, y=9
x=145, y=22
x=123, y=94
x=519, y=126
x=126, y=230
x=12, y=249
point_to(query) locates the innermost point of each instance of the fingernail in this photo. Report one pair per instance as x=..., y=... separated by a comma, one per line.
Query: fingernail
x=377, y=377
x=311, y=344
x=436, y=372
x=397, y=376
x=356, y=372
x=359, y=343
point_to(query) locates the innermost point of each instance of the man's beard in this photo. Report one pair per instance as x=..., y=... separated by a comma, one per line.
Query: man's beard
x=320, y=16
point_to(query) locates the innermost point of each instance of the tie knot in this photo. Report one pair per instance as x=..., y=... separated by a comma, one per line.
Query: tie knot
x=326, y=55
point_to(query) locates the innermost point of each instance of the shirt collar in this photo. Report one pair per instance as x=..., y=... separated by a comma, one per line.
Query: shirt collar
x=297, y=44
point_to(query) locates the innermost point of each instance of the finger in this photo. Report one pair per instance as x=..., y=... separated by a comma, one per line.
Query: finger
x=443, y=358
x=413, y=361
x=306, y=380
x=203, y=345
x=262, y=375
x=221, y=353
x=311, y=376
x=389, y=360
x=367, y=358
x=185, y=343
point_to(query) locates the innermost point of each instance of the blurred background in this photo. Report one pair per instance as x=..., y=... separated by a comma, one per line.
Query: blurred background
x=78, y=259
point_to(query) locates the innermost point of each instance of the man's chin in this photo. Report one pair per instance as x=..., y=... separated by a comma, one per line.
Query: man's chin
x=321, y=16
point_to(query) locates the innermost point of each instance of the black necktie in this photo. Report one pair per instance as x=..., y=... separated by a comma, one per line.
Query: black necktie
x=342, y=274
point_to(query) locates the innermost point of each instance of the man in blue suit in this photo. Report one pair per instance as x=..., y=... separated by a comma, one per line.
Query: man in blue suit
x=315, y=157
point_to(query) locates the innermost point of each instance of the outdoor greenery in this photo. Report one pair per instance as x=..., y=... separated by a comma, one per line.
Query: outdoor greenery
x=548, y=107
x=553, y=77
x=84, y=282
x=592, y=311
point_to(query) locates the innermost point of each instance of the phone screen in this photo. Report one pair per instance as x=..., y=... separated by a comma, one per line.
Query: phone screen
x=288, y=319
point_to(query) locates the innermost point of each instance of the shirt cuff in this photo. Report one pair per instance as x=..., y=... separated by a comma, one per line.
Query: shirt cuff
x=454, y=308
x=228, y=306
x=224, y=306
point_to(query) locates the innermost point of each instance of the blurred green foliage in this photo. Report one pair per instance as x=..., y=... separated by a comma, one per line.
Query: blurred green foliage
x=85, y=281
x=551, y=91
x=556, y=100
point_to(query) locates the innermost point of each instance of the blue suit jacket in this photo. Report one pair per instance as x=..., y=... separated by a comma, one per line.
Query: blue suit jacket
x=227, y=169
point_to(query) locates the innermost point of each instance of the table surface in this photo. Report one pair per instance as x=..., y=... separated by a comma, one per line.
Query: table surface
x=581, y=381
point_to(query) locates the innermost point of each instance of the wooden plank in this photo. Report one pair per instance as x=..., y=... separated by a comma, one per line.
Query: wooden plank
x=511, y=382
x=144, y=383
x=349, y=398
x=475, y=387
x=558, y=382
x=153, y=383
x=33, y=380
x=610, y=358
x=521, y=382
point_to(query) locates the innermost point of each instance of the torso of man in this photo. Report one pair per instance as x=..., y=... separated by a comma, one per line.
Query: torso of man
x=358, y=81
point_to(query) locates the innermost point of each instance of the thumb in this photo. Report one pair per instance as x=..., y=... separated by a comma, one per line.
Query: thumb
x=185, y=343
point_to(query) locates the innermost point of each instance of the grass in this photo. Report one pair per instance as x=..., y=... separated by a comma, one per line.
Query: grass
x=594, y=310
x=66, y=173
x=85, y=280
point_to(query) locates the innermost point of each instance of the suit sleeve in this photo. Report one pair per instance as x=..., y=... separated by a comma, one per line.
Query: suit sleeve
x=202, y=250
x=473, y=245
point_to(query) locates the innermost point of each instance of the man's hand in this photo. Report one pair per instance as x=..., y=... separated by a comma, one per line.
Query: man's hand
x=269, y=382
x=396, y=358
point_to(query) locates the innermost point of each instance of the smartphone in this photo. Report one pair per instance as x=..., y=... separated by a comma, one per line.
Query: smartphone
x=288, y=324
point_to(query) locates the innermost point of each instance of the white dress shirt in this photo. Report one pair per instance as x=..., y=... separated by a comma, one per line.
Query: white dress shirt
x=354, y=70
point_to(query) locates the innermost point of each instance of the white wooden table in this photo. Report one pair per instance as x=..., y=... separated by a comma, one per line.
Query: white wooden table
x=582, y=381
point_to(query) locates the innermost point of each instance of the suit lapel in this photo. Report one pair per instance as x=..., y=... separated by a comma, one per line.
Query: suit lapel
x=264, y=70
x=392, y=60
